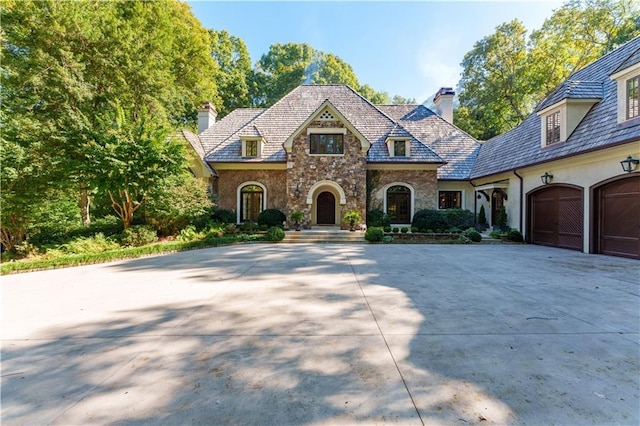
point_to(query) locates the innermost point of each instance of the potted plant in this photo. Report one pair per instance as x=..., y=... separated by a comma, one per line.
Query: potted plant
x=352, y=216
x=296, y=217
x=482, y=220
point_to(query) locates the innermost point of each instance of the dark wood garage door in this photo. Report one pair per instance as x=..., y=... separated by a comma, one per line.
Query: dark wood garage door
x=618, y=218
x=556, y=217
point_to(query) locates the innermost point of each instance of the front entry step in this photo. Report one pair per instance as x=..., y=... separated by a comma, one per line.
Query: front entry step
x=323, y=236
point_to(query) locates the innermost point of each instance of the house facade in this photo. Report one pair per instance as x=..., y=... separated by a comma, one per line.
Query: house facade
x=325, y=150
x=560, y=173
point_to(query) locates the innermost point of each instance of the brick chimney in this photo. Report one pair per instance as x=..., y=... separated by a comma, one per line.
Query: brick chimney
x=443, y=102
x=206, y=117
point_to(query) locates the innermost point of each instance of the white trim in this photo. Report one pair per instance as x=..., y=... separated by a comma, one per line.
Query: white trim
x=239, y=196
x=258, y=149
x=332, y=184
x=327, y=130
x=626, y=73
x=462, y=196
x=413, y=197
x=250, y=166
x=391, y=147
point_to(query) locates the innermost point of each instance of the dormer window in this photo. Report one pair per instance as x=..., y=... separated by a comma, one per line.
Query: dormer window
x=633, y=97
x=399, y=147
x=628, y=81
x=251, y=148
x=553, y=128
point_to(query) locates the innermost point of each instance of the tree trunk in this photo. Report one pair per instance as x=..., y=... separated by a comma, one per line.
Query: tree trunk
x=85, y=201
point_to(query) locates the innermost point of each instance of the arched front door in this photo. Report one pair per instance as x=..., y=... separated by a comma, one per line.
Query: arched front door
x=326, y=208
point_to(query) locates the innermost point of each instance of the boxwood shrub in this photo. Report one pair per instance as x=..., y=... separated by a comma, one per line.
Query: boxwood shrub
x=275, y=233
x=377, y=218
x=374, y=234
x=271, y=217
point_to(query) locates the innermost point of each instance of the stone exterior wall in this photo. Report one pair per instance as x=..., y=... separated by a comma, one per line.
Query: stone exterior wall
x=347, y=171
x=229, y=180
x=424, y=183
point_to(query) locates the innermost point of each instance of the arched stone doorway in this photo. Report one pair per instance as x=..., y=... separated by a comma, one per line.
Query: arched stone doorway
x=326, y=208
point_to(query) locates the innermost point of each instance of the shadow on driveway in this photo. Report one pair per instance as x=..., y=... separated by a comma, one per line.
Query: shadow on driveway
x=326, y=334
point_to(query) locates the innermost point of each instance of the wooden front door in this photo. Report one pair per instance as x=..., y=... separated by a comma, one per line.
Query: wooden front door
x=326, y=209
x=556, y=217
x=618, y=218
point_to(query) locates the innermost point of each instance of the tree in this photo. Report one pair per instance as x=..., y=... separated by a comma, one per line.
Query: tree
x=131, y=156
x=505, y=74
x=65, y=63
x=577, y=34
x=287, y=66
x=233, y=73
x=494, y=84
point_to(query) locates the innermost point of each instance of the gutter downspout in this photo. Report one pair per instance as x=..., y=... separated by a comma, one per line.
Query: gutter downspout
x=475, y=203
x=515, y=172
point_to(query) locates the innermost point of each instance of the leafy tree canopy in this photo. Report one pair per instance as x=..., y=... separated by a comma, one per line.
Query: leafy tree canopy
x=508, y=72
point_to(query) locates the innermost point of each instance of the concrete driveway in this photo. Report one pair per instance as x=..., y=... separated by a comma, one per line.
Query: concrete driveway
x=327, y=334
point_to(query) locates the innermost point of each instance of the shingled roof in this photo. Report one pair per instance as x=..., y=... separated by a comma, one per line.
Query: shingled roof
x=521, y=146
x=433, y=140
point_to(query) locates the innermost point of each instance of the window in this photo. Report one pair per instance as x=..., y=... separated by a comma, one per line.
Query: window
x=399, y=148
x=399, y=204
x=251, y=149
x=325, y=144
x=450, y=200
x=553, y=128
x=250, y=203
x=633, y=97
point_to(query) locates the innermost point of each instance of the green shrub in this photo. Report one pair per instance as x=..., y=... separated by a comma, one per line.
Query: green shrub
x=138, y=235
x=223, y=216
x=404, y=229
x=414, y=229
x=188, y=234
x=464, y=239
x=458, y=218
x=515, y=236
x=182, y=200
x=429, y=219
x=94, y=244
x=249, y=227
x=455, y=230
x=387, y=228
x=377, y=218
x=395, y=230
x=374, y=234
x=482, y=217
x=275, y=233
x=495, y=234
x=501, y=219
x=473, y=235
x=387, y=239
x=271, y=217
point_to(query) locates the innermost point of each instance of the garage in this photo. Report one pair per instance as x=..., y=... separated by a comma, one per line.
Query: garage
x=556, y=216
x=617, y=217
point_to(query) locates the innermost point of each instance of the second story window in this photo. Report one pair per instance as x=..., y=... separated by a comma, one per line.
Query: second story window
x=553, y=128
x=251, y=149
x=400, y=148
x=633, y=97
x=325, y=144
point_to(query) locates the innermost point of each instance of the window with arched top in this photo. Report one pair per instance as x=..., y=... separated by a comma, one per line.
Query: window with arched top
x=251, y=202
x=399, y=204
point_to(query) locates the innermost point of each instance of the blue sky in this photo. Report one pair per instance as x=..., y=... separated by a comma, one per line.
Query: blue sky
x=409, y=49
